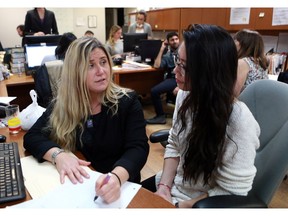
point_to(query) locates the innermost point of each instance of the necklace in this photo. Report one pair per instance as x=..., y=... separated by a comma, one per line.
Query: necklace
x=89, y=123
x=95, y=110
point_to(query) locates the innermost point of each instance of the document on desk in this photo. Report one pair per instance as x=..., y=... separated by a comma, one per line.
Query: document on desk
x=6, y=100
x=43, y=183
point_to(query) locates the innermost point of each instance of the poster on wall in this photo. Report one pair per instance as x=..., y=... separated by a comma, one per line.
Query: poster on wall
x=280, y=16
x=239, y=16
x=92, y=21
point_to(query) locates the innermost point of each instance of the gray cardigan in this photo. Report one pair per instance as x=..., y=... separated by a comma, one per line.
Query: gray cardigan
x=147, y=28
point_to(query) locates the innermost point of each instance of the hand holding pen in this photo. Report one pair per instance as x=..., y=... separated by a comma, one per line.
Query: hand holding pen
x=108, y=187
x=103, y=183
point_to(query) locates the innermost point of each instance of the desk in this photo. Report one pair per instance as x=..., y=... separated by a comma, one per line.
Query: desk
x=141, y=80
x=143, y=198
x=19, y=87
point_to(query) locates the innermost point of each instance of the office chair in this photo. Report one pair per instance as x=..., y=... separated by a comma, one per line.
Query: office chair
x=46, y=79
x=268, y=102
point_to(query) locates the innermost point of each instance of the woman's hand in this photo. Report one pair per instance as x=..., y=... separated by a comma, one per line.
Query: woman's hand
x=69, y=165
x=109, y=191
x=164, y=192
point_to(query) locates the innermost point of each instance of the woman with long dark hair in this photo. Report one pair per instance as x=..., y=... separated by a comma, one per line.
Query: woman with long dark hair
x=213, y=140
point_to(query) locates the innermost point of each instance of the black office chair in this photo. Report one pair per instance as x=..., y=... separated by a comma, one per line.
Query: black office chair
x=46, y=79
x=268, y=102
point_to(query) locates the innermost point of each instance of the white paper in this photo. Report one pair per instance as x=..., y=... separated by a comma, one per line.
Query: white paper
x=6, y=100
x=239, y=16
x=43, y=183
x=280, y=16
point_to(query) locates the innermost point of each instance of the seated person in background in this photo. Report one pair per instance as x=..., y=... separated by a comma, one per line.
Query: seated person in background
x=20, y=31
x=114, y=44
x=210, y=151
x=168, y=85
x=40, y=21
x=253, y=64
x=141, y=26
x=93, y=115
x=89, y=33
x=60, y=51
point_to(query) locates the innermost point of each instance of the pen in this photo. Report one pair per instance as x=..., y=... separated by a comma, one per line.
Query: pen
x=105, y=181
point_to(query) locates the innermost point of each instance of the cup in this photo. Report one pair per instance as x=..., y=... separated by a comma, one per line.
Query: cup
x=12, y=117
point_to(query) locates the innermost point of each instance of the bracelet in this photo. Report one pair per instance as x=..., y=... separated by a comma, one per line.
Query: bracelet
x=117, y=177
x=54, y=155
x=164, y=185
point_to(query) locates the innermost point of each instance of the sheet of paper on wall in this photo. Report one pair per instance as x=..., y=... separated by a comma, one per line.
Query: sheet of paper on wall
x=47, y=191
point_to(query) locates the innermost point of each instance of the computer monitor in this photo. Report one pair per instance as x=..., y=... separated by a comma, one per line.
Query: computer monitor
x=149, y=49
x=35, y=54
x=131, y=41
x=45, y=39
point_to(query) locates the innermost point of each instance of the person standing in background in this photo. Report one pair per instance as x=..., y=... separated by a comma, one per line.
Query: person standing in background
x=252, y=63
x=141, y=26
x=39, y=22
x=114, y=44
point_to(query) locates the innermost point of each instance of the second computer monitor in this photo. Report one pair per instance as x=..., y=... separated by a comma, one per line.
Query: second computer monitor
x=149, y=50
x=131, y=41
x=45, y=39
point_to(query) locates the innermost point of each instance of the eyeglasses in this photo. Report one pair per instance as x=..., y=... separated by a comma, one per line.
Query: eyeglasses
x=179, y=64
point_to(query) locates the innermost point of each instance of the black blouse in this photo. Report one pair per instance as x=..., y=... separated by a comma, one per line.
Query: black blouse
x=108, y=141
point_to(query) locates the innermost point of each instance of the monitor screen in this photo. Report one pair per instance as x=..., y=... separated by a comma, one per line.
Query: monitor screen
x=131, y=41
x=46, y=39
x=149, y=49
x=35, y=54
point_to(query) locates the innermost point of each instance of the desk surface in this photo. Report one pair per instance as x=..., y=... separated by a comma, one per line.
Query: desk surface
x=14, y=80
x=146, y=77
x=143, y=199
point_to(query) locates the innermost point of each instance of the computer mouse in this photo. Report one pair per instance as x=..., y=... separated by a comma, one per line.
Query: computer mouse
x=2, y=138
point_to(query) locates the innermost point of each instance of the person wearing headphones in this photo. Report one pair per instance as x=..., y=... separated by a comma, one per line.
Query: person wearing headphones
x=141, y=26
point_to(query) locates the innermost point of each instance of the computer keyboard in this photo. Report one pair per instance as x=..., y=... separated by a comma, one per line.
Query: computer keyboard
x=11, y=176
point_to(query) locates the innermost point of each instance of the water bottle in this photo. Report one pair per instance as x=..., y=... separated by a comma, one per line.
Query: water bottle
x=19, y=69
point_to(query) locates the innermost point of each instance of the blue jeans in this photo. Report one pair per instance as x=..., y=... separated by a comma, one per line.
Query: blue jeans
x=166, y=86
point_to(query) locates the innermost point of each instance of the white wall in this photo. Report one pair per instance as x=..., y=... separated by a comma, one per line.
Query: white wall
x=68, y=19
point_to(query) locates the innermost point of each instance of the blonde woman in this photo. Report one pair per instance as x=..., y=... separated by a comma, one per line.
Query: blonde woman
x=92, y=115
x=114, y=44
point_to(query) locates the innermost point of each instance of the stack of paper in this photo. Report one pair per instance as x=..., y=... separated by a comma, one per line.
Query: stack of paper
x=132, y=64
x=43, y=183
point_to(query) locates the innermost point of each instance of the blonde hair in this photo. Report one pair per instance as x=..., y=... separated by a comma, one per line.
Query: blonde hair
x=113, y=31
x=72, y=104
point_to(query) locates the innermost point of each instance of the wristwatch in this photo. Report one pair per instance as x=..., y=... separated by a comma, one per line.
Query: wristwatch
x=54, y=155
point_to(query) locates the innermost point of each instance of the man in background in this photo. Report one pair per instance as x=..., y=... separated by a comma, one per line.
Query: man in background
x=89, y=33
x=168, y=85
x=20, y=31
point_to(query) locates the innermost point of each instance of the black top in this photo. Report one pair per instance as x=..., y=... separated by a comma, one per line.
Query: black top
x=34, y=24
x=118, y=140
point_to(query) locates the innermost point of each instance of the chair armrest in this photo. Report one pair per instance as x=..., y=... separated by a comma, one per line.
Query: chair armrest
x=159, y=136
x=230, y=201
